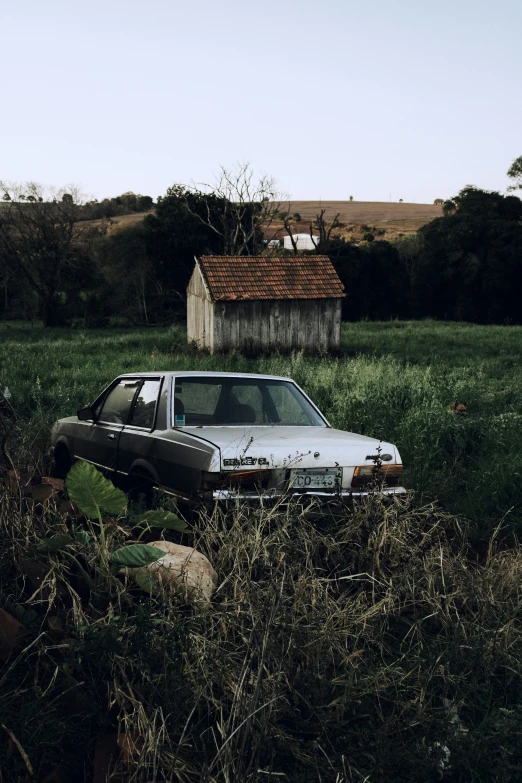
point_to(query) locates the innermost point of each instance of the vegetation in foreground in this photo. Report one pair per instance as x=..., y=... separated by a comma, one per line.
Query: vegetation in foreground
x=394, y=381
x=372, y=645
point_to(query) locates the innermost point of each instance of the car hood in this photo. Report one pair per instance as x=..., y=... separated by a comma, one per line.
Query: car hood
x=278, y=447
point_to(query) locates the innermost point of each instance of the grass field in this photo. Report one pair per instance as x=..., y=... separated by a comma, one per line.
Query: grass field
x=380, y=645
x=394, y=381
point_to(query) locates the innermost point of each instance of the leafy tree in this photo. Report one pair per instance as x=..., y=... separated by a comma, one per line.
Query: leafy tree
x=470, y=266
x=147, y=267
x=126, y=204
x=127, y=282
x=174, y=234
x=375, y=281
x=515, y=172
x=42, y=243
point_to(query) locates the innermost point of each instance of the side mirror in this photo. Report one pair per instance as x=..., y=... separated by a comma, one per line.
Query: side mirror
x=86, y=414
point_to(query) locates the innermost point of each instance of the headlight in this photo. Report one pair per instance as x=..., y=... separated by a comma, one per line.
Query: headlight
x=365, y=474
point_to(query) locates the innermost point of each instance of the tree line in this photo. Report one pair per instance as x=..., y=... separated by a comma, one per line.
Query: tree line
x=61, y=263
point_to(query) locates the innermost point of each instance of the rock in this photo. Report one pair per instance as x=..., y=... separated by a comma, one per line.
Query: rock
x=183, y=567
x=11, y=635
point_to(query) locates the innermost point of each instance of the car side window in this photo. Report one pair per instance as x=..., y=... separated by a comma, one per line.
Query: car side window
x=145, y=406
x=118, y=401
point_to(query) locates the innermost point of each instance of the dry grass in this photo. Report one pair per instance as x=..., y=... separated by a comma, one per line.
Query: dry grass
x=355, y=212
x=334, y=650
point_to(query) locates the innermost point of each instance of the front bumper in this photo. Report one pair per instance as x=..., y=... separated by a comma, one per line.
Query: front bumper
x=230, y=494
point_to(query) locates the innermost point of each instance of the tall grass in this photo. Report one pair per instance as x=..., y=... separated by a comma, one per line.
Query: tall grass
x=394, y=381
x=378, y=645
x=366, y=646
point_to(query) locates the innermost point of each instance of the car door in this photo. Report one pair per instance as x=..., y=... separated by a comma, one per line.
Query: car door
x=136, y=447
x=183, y=456
x=98, y=441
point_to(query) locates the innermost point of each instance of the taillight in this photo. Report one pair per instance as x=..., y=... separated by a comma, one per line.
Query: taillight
x=388, y=474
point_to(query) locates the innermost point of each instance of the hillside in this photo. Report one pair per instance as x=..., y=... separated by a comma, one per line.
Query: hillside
x=354, y=212
x=391, y=217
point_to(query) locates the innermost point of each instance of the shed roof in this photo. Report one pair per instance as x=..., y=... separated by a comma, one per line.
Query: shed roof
x=231, y=278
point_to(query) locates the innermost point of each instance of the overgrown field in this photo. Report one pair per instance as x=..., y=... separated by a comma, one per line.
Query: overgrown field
x=394, y=381
x=378, y=645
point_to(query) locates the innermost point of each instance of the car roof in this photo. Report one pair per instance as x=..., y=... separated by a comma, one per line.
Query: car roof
x=206, y=373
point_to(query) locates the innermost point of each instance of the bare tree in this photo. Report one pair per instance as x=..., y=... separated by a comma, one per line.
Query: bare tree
x=289, y=230
x=41, y=240
x=240, y=209
x=324, y=227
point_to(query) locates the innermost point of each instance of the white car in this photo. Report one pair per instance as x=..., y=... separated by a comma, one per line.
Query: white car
x=204, y=436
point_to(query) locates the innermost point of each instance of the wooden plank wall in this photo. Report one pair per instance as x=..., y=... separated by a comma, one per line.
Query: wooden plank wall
x=200, y=312
x=312, y=325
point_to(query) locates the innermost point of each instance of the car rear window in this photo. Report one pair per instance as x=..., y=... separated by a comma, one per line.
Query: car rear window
x=241, y=401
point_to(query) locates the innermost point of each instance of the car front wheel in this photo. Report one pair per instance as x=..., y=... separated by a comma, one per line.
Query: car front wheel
x=62, y=461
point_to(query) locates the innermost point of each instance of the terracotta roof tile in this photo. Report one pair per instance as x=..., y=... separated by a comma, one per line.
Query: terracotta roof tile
x=270, y=277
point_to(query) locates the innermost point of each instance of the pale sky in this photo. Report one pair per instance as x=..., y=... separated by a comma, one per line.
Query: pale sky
x=332, y=97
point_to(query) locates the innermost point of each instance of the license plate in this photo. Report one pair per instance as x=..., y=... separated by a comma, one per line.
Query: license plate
x=320, y=478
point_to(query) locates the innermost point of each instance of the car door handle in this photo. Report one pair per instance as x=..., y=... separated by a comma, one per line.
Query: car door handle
x=111, y=437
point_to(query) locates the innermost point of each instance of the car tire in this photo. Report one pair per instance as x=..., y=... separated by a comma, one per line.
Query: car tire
x=62, y=462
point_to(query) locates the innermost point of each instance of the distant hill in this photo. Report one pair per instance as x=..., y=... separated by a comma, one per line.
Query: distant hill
x=355, y=212
x=391, y=218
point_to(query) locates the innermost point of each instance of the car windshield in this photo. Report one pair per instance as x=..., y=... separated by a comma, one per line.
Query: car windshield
x=233, y=401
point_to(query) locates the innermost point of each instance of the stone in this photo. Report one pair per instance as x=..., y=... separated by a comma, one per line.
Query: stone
x=182, y=567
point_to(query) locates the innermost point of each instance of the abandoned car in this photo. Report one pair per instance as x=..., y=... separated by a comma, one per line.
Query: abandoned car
x=204, y=436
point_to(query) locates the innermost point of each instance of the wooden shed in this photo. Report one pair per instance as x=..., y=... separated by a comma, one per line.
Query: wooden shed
x=264, y=303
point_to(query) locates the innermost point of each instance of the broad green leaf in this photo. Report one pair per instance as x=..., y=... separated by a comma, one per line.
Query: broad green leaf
x=55, y=543
x=147, y=582
x=136, y=555
x=84, y=538
x=165, y=520
x=92, y=492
